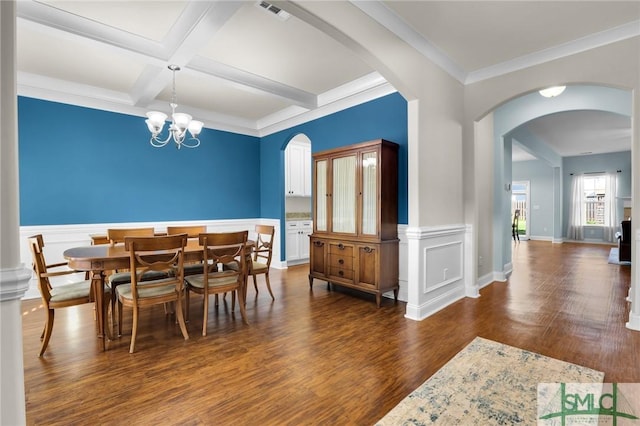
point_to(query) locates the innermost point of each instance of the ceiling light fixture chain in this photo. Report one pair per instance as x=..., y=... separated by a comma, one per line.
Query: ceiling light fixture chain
x=180, y=123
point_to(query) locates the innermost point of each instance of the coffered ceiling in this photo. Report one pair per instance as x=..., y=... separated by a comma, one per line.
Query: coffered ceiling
x=246, y=69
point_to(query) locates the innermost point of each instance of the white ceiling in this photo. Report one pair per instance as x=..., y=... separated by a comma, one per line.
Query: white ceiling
x=247, y=70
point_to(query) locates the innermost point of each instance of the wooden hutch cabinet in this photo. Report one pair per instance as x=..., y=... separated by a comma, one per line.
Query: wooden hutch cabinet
x=355, y=222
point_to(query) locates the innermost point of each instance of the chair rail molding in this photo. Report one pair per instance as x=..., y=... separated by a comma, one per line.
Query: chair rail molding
x=58, y=238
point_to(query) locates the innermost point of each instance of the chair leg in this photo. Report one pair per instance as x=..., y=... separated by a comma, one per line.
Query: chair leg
x=47, y=331
x=233, y=301
x=243, y=309
x=180, y=315
x=134, y=330
x=255, y=282
x=205, y=314
x=119, y=318
x=266, y=276
x=186, y=301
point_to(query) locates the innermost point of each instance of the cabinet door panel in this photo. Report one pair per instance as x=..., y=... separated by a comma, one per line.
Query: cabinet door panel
x=320, y=196
x=368, y=259
x=318, y=257
x=343, y=194
x=370, y=193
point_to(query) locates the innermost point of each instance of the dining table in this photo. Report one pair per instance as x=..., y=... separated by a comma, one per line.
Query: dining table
x=98, y=259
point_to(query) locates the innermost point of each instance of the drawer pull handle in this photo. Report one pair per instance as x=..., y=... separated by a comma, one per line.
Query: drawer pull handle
x=341, y=273
x=341, y=246
x=318, y=243
x=368, y=249
x=341, y=261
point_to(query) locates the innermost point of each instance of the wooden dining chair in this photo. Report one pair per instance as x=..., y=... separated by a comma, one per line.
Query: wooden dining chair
x=59, y=296
x=116, y=236
x=169, y=289
x=220, y=249
x=192, y=231
x=261, y=256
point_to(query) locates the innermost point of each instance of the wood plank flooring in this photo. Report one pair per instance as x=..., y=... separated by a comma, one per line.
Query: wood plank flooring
x=326, y=356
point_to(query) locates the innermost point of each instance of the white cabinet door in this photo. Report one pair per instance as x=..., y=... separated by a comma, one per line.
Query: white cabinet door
x=305, y=231
x=298, y=239
x=293, y=241
x=298, y=170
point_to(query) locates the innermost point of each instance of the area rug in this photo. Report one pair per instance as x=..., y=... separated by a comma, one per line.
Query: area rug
x=614, y=258
x=487, y=383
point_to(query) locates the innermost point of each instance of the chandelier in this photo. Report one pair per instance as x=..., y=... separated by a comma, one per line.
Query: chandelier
x=180, y=123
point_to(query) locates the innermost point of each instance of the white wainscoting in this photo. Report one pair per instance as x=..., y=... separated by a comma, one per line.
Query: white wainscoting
x=58, y=238
x=436, y=268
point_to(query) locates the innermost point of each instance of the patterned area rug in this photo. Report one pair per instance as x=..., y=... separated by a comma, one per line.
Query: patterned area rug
x=487, y=383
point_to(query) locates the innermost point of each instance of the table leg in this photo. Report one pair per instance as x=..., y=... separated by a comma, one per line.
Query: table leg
x=97, y=282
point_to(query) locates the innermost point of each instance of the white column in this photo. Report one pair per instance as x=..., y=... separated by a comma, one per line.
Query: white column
x=634, y=292
x=14, y=277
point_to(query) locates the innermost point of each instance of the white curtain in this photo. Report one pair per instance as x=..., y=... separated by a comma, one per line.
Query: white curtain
x=576, y=210
x=610, y=221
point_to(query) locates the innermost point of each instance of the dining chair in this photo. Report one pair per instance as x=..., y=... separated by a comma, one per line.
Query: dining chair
x=165, y=290
x=59, y=296
x=116, y=236
x=192, y=231
x=220, y=249
x=261, y=256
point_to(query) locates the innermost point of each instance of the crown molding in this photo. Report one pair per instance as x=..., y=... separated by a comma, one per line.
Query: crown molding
x=386, y=17
x=592, y=41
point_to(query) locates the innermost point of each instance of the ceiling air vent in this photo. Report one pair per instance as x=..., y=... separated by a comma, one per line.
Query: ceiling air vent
x=274, y=9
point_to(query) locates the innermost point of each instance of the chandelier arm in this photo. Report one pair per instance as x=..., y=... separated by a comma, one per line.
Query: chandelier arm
x=188, y=144
x=159, y=143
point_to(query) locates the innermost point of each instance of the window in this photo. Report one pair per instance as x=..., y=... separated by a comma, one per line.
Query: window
x=594, y=193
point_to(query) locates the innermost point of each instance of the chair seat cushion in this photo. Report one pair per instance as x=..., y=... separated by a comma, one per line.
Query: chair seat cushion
x=259, y=267
x=147, y=291
x=72, y=291
x=125, y=277
x=197, y=281
x=193, y=269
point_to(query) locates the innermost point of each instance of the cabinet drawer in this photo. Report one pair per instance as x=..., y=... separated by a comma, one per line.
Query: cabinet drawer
x=341, y=249
x=340, y=261
x=347, y=274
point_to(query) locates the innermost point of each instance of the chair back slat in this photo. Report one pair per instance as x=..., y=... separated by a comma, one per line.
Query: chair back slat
x=192, y=231
x=117, y=235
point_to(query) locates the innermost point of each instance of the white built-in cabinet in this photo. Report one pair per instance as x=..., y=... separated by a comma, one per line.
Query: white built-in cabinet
x=298, y=169
x=298, y=232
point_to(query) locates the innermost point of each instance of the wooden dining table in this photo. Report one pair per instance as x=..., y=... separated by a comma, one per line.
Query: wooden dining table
x=96, y=259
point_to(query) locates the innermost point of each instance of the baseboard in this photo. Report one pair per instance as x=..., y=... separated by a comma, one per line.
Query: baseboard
x=485, y=280
x=434, y=305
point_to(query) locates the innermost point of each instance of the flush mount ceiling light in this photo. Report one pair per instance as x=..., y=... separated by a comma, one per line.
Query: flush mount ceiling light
x=180, y=123
x=552, y=91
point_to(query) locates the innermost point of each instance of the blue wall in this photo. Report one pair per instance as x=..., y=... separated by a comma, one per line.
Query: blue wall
x=81, y=165
x=384, y=118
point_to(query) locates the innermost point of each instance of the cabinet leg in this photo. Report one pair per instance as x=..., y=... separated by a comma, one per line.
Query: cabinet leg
x=310, y=282
x=395, y=294
x=378, y=297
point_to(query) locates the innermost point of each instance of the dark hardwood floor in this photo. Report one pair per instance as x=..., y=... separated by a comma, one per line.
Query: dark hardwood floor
x=322, y=357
